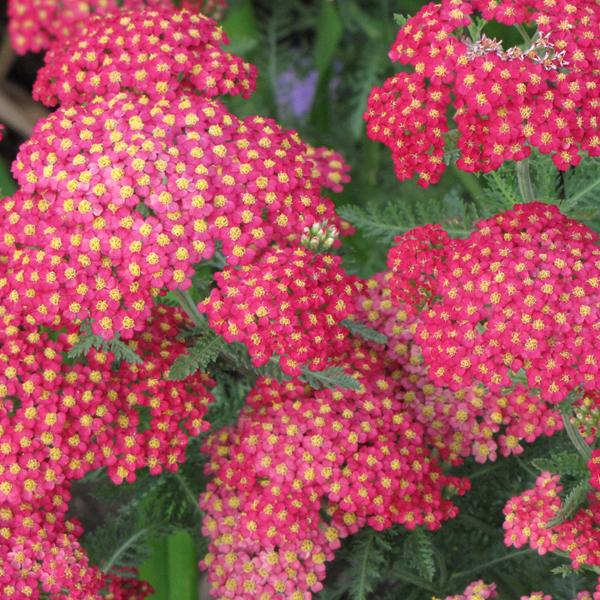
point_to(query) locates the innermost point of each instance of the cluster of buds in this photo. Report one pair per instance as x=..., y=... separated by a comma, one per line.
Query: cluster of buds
x=586, y=416
x=319, y=237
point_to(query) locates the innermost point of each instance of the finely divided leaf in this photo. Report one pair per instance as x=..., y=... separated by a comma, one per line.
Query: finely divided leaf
x=420, y=554
x=199, y=356
x=332, y=378
x=364, y=331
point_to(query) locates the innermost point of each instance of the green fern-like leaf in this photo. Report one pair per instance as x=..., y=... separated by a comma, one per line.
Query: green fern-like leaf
x=332, y=378
x=198, y=357
x=571, y=503
x=237, y=356
x=124, y=539
x=563, y=463
x=582, y=186
x=502, y=188
x=364, y=331
x=387, y=220
x=119, y=349
x=419, y=553
x=367, y=564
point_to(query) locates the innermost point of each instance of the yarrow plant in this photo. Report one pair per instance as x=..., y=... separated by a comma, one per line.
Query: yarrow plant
x=190, y=340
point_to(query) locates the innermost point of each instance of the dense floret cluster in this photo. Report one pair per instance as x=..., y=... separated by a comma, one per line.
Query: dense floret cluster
x=478, y=590
x=531, y=517
x=469, y=421
x=60, y=420
x=134, y=190
x=543, y=93
x=288, y=303
x=158, y=52
x=142, y=182
x=522, y=293
x=302, y=469
x=36, y=25
x=416, y=259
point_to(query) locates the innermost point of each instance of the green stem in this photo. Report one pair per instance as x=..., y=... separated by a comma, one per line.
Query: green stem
x=483, y=472
x=188, y=492
x=526, y=37
x=415, y=580
x=122, y=548
x=524, y=178
x=575, y=436
x=187, y=303
x=491, y=563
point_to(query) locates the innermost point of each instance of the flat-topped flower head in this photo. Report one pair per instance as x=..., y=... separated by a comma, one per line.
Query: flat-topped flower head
x=155, y=52
x=135, y=191
x=522, y=293
x=60, y=420
x=469, y=421
x=501, y=101
x=297, y=453
x=289, y=303
x=35, y=25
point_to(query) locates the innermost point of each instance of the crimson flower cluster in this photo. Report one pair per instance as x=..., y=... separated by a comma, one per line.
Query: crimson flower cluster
x=302, y=469
x=479, y=590
x=36, y=25
x=158, y=52
x=502, y=102
x=416, y=259
x=60, y=420
x=134, y=188
x=289, y=303
x=469, y=421
x=529, y=520
x=520, y=294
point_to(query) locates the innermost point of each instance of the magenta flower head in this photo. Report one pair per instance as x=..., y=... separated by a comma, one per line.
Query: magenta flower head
x=302, y=469
x=522, y=293
x=502, y=101
x=158, y=52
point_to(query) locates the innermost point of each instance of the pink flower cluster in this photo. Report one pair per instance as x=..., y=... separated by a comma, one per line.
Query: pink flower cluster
x=302, y=469
x=124, y=194
x=288, y=303
x=60, y=420
x=520, y=294
x=469, y=421
x=529, y=520
x=478, y=590
x=416, y=260
x=36, y=25
x=503, y=102
x=580, y=596
x=158, y=52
